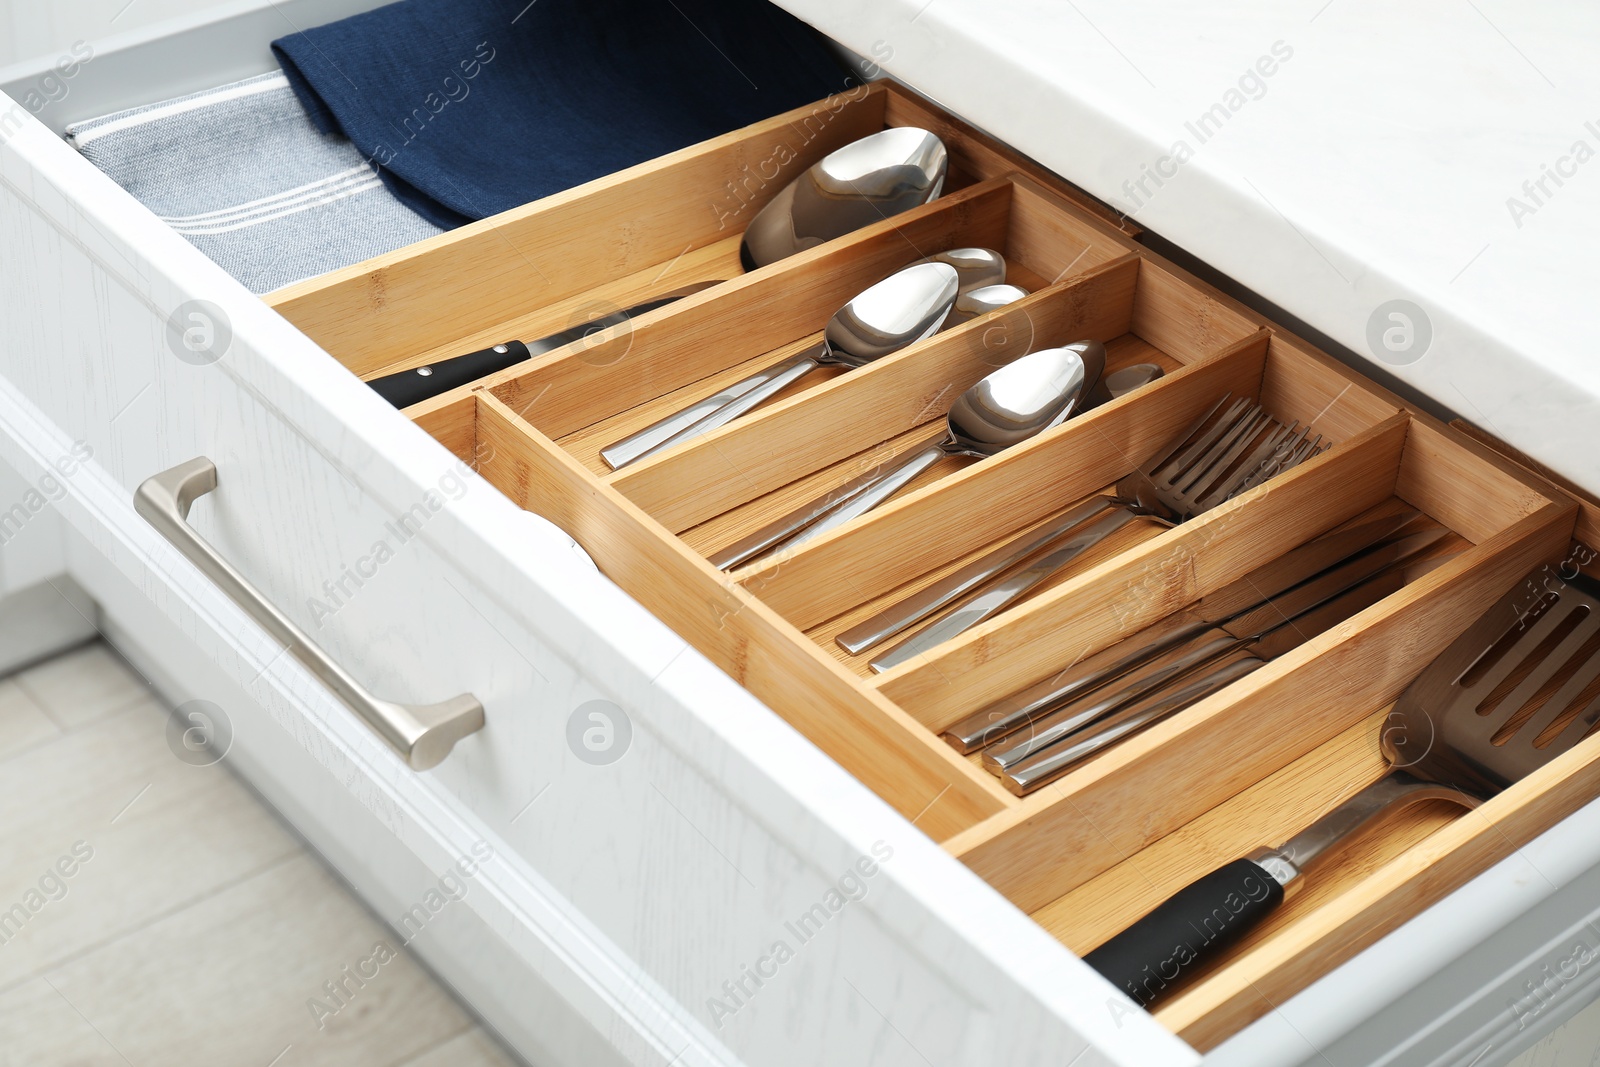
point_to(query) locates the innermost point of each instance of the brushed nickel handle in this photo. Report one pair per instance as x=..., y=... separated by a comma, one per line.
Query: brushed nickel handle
x=422, y=734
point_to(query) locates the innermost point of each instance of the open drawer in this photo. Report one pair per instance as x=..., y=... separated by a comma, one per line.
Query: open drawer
x=637, y=895
x=1245, y=767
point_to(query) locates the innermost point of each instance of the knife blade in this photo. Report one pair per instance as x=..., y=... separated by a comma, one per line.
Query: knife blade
x=1246, y=594
x=1255, y=630
x=1056, y=760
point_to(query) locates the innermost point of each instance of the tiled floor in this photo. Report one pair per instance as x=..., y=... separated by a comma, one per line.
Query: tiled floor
x=157, y=913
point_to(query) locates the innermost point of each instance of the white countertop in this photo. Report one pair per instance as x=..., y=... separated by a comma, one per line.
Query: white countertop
x=1376, y=162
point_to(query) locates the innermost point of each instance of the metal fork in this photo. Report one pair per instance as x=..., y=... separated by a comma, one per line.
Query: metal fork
x=1214, y=460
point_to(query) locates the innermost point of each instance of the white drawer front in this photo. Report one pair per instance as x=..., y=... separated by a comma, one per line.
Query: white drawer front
x=653, y=891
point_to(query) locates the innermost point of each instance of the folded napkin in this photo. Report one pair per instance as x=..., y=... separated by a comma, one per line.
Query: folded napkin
x=241, y=173
x=471, y=107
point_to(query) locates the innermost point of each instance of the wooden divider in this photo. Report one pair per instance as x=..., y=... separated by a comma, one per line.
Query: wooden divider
x=710, y=265
x=1531, y=470
x=1458, y=485
x=912, y=536
x=1047, y=234
x=869, y=736
x=1181, y=320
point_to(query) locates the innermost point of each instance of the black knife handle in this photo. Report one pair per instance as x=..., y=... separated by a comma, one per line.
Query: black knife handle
x=409, y=387
x=414, y=386
x=1151, y=958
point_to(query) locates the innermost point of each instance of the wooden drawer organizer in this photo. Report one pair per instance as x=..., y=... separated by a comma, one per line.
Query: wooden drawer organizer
x=1089, y=854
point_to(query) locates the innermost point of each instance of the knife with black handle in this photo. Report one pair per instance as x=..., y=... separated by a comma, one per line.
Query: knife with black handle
x=407, y=387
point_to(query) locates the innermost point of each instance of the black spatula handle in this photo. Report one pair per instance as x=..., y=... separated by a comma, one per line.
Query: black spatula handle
x=409, y=387
x=1151, y=958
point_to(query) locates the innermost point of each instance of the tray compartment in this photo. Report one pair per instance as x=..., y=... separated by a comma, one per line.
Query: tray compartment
x=732, y=481
x=1160, y=569
x=1173, y=567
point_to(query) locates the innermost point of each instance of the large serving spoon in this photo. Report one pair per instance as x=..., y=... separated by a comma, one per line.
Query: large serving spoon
x=1019, y=401
x=867, y=180
x=976, y=269
x=905, y=307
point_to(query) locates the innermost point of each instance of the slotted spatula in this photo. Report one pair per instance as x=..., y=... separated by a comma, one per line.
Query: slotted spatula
x=1517, y=689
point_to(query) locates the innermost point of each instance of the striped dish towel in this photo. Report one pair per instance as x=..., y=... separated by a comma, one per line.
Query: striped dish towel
x=243, y=174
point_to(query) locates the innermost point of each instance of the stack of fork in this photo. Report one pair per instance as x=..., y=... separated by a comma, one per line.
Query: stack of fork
x=1215, y=460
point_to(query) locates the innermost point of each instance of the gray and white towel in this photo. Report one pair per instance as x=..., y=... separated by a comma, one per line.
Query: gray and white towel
x=242, y=173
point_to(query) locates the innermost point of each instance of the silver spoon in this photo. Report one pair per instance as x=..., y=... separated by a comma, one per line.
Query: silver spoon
x=976, y=268
x=1120, y=383
x=980, y=301
x=904, y=308
x=867, y=180
x=1019, y=401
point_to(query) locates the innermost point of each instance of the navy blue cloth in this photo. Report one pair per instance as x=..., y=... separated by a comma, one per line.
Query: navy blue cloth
x=471, y=107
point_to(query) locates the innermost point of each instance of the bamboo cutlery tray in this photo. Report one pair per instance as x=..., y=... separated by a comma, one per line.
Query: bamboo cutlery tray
x=1090, y=853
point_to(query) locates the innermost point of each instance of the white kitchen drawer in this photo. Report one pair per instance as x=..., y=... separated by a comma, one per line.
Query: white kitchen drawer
x=621, y=897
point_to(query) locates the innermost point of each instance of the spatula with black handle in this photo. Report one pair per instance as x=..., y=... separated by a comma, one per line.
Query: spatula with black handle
x=1517, y=689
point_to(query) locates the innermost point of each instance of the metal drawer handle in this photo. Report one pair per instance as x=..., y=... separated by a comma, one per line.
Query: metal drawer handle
x=422, y=735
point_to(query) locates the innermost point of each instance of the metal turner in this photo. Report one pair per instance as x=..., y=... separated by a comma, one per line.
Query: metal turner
x=1517, y=689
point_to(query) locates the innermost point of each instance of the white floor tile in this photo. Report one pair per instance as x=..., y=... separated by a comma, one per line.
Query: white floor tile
x=471, y=1049
x=158, y=833
x=153, y=912
x=82, y=686
x=233, y=979
x=40, y=1029
x=22, y=723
